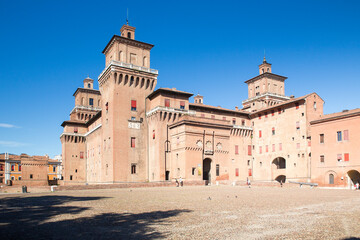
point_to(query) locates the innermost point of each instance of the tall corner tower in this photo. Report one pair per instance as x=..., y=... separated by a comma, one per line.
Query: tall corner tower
x=124, y=84
x=264, y=90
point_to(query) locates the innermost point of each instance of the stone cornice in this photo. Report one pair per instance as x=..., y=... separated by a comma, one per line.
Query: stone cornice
x=127, y=41
x=267, y=75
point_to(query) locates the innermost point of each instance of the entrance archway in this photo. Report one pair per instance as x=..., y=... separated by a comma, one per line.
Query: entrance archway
x=206, y=170
x=279, y=162
x=281, y=178
x=354, y=175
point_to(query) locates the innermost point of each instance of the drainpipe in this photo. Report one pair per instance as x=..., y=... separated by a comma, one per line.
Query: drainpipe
x=166, y=145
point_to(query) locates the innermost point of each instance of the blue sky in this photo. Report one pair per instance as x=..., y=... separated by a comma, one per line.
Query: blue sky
x=207, y=47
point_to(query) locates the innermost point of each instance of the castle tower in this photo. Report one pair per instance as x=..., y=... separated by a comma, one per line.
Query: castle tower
x=266, y=89
x=124, y=85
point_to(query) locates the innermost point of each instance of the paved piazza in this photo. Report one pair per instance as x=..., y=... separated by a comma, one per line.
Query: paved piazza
x=216, y=212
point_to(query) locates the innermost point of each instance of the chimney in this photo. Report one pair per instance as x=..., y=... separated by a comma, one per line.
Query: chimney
x=237, y=108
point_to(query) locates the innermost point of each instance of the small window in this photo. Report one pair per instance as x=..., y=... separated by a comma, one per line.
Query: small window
x=129, y=34
x=346, y=135
x=267, y=148
x=182, y=104
x=315, y=106
x=217, y=170
x=76, y=129
x=297, y=145
x=260, y=149
x=89, y=85
x=19, y=168
x=31, y=176
x=322, y=138
x=248, y=162
x=54, y=168
x=346, y=157
x=236, y=172
x=70, y=177
x=236, y=149
x=297, y=125
x=259, y=133
x=339, y=157
x=339, y=136
x=132, y=142
x=193, y=170
x=243, y=122
x=12, y=167
x=167, y=102
x=133, y=105
x=133, y=168
x=249, y=150
x=273, y=131
x=322, y=158
x=19, y=178
x=81, y=155
x=91, y=101
x=234, y=121
x=107, y=106
x=76, y=170
x=153, y=134
x=12, y=178
x=250, y=173
x=273, y=147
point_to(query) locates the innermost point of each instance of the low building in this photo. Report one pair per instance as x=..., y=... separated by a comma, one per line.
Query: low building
x=335, y=154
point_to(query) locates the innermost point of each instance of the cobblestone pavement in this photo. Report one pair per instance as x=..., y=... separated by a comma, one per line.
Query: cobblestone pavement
x=216, y=212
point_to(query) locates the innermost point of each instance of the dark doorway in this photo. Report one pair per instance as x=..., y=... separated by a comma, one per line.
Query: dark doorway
x=206, y=170
x=167, y=174
x=280, y=163
x=281, y=178
x=354, y=176
x=331, y=178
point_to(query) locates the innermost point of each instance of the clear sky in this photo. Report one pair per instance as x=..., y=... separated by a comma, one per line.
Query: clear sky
x=47, y=48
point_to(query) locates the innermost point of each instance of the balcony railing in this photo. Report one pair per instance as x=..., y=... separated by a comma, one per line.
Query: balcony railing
x=266, y=94
x=130, y=66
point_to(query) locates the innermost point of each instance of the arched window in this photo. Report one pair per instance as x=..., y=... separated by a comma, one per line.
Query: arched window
x=89, y=85
x=268, y=69
x=331, y=178
x=262, y=70
x=121, y=56
x=144, y=61
x=129, y=34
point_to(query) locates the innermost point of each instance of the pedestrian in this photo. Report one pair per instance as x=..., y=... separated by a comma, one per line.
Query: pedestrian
x=181, y=182
x=281, y=183
x=357, y=186
x=249, y=183
x=177, y=183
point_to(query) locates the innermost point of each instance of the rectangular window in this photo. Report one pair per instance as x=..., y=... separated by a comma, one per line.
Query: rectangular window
x=75, y=129
x=259, y=133
x=243, y=122
x=339, y=136
x=54, y=169
x=309, y=143
x=1, y=167
x=339, y=157
x=81, y=155
x=267, y=148
x=273, y=147
x=346, y=157
x=298, y=146
x=236, y=149
x=297, y=105
x=234, y=121
x=19, y=168
x=322, y=138
x=249, y=150
x=153, y=134
x=273, y=131
x=132, y=142
x=193, y=170
x=133, y=105
x=217, y=170
x=279, y=111
x=167, y=102
x=31, y=176
x=260, y=149
x=236, y=172
x=12, y=167
x=182, y=104
x=322, y=158
x=107, y=106
x=297, y=125
x=346, y=135
x=250, y=173
x=280, y=146
x=272, y=112
x=133, y=168
x=91, y=101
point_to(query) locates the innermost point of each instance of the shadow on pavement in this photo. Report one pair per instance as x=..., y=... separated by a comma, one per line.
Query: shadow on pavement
x=31, y=218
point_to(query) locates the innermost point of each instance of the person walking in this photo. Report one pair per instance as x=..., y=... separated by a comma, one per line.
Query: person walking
x=181, y=182
x=177, y=183
x=249, y=183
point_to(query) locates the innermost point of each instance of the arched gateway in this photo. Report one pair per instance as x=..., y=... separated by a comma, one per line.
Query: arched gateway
x=354, y=175
x=207, y=170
